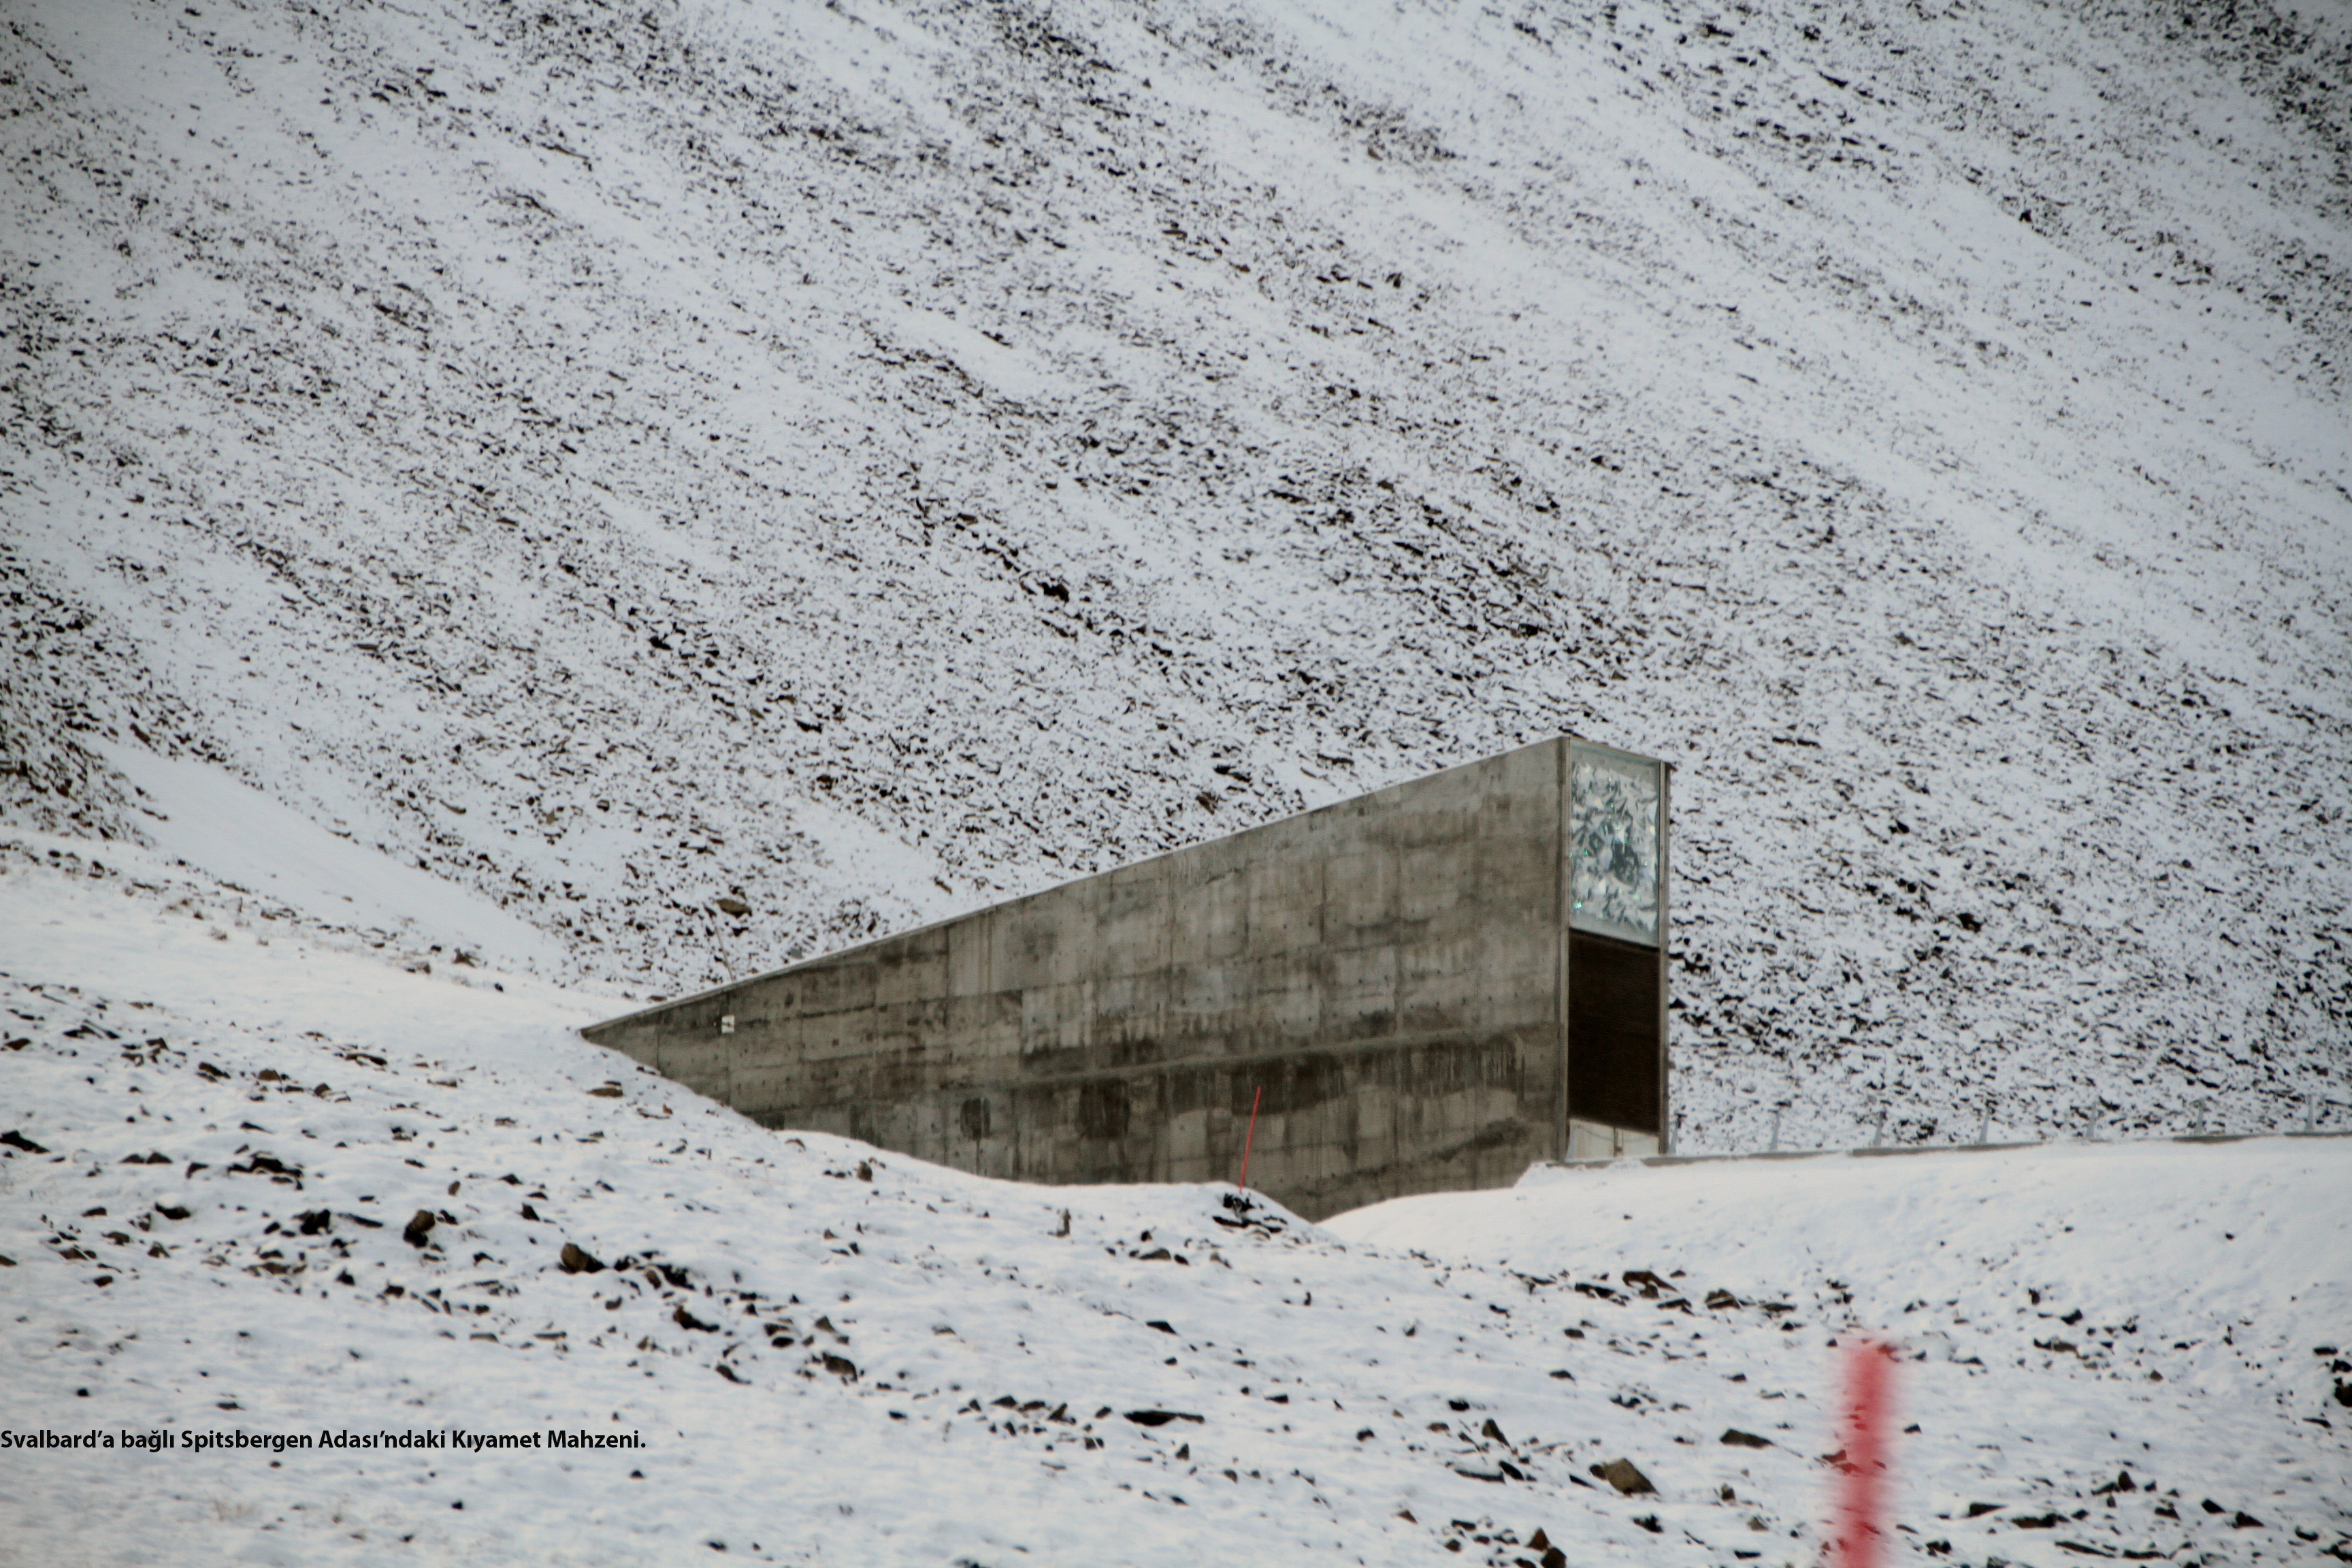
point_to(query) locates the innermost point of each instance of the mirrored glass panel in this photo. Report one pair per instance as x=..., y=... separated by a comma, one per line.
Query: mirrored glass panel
x=1613, y=838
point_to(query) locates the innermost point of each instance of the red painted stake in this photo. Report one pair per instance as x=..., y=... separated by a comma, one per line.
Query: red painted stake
x=1862, y=1497
x=1253, y=1136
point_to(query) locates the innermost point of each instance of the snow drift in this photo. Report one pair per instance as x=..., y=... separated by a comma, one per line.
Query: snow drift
x=272, y=1212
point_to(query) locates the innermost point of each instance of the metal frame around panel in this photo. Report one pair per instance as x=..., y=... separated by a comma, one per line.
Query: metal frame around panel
x=1666, y=933
x=1568, y=743
x=1562, y=977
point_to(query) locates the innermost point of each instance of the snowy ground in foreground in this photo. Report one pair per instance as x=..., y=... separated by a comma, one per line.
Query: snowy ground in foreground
x=1429, y=1373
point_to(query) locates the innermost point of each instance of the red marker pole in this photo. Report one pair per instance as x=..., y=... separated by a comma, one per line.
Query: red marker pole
x=1252, y=1138
x=1861, y=1494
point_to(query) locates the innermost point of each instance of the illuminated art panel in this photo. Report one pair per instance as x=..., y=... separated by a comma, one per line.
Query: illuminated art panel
x=1613, y=843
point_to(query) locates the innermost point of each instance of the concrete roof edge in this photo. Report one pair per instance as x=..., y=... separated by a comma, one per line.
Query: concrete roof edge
x=838, y=954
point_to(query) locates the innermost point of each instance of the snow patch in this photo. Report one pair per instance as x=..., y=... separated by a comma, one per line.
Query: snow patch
x=206, y=817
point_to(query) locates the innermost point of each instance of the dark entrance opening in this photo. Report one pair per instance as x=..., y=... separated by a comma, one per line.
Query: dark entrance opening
x=1614, y=1019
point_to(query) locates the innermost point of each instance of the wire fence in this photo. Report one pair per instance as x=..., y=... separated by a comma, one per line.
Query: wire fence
x=1791, y=1125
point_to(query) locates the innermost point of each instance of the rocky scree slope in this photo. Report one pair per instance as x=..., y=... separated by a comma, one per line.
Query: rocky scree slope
x=726, y=480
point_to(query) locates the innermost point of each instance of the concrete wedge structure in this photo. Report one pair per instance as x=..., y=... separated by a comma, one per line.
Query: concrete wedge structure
x=1428, y=987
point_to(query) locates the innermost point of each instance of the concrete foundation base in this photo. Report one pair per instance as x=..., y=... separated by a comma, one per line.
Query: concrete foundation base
x=1593, y=1141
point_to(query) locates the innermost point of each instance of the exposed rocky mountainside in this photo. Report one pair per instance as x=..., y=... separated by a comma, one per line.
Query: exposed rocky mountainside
x=645, y=462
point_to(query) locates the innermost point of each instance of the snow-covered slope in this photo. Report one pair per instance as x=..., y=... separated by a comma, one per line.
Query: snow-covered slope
x=218, y=1142
x=856, y=461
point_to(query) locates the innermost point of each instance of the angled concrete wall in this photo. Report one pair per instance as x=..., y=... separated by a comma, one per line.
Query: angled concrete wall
x=1390, y=972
